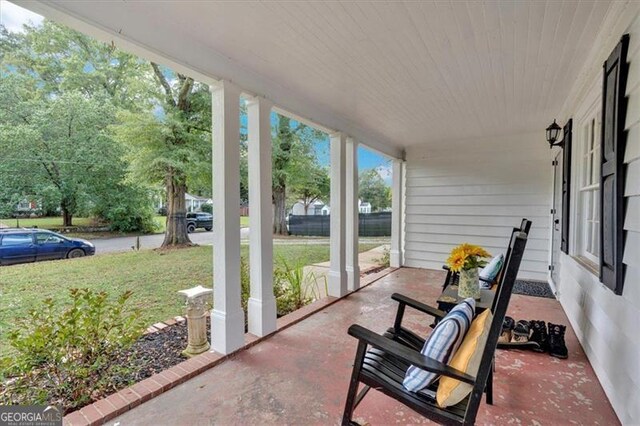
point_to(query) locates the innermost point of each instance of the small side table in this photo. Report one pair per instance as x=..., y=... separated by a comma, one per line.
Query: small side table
x=449, y=299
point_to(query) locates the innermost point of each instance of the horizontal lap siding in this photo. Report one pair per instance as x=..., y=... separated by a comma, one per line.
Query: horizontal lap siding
x=476, y=192
x=606, y=324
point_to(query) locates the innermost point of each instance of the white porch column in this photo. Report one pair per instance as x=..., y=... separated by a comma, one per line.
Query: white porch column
x=353, y=210
x=262, y=303
x=395, y=253
x=337, y=272
x=227, y=318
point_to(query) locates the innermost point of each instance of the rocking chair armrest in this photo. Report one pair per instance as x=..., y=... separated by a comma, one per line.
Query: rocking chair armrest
x=407, y=301
x=407, y=354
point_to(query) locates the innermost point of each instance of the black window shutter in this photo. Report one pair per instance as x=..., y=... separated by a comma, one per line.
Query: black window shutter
x=612, y=166
x=566, y=180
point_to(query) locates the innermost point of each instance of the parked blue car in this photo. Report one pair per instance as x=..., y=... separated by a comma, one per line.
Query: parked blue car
x=32, y=245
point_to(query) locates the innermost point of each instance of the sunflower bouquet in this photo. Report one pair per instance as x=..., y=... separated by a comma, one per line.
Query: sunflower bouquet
x=467, y=256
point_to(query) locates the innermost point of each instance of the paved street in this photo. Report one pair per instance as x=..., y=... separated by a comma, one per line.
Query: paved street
x=121, y=244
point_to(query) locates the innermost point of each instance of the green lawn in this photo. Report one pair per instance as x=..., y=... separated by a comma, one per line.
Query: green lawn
x=54, y=223
x=154, y=277
x=46, y=222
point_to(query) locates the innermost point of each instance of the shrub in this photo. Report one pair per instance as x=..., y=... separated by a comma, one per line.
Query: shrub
x=293, y=288
x=207, y=208
x=127, y=209
x=69, y=358
x=385, y=260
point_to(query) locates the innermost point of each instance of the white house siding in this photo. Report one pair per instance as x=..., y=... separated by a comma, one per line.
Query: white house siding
x=476, y=192
x=607, y=324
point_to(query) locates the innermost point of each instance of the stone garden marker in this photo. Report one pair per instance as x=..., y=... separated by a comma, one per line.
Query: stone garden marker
x=196, y=319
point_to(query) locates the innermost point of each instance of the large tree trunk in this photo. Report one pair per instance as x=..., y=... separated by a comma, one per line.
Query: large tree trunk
x=67, y=217
x=280, y=214
x=176, y=233
x=67, y=207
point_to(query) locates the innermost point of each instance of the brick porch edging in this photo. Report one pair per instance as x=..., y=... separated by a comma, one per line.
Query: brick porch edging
x=116, y=404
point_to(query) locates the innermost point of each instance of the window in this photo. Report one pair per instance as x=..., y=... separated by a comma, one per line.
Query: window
x=47, y=238
x=16, y=239
x=589, y=189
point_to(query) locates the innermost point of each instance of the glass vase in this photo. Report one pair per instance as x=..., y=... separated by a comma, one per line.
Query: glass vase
x=469, y=284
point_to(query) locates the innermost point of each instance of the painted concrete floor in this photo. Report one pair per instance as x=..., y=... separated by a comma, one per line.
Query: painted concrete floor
x=300, y=375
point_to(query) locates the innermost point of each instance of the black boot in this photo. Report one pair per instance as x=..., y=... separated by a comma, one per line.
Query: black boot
x=557, y=346
x=539, y=335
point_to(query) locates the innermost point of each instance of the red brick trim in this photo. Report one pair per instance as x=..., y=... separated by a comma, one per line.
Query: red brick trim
x=114, y=405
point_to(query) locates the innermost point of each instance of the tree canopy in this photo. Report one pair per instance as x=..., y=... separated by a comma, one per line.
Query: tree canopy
x=374, y=190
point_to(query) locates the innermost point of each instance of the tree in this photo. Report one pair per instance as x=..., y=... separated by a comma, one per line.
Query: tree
x=314, y=184
x=170, y=107
x=171, y=145
x=55, y=148
x=60, y=92
x=292, y=154
x=64, y=60
x=374, y=190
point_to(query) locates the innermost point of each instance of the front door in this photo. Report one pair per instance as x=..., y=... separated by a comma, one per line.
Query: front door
x=556, y=216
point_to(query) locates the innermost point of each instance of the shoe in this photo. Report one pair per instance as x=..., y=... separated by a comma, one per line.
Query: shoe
x=539, y=335
x=557, y=347
x=521, y=332
x=507, y=326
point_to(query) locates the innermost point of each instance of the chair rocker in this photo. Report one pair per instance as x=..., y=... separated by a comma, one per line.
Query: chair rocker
x=381, y=361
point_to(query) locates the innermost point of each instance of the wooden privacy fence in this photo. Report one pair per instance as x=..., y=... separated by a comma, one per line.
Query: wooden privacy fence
x=370, y=225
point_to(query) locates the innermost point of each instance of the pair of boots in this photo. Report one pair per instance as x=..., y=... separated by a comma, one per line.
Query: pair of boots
x=548, y=338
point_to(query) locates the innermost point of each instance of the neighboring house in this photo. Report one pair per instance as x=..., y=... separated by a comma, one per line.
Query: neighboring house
x=319, y=208
x=194, y=202
x=315, y=208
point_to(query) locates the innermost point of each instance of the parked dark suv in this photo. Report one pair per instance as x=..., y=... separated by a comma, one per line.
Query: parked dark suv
x=199, y=220
x=32, y=245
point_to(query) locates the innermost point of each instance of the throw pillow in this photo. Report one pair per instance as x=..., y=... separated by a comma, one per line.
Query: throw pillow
x=441, y=344
x=489, y=272
x=467, y=359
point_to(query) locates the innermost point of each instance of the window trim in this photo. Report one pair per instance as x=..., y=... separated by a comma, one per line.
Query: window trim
x=590, y=108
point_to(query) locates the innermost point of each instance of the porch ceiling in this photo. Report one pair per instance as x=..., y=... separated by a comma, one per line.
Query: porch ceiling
x=392, y=74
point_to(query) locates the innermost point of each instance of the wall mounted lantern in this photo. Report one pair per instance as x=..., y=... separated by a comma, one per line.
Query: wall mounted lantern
x=553, y=131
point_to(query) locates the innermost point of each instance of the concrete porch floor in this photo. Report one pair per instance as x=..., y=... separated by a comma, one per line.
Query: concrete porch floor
x=300, y=375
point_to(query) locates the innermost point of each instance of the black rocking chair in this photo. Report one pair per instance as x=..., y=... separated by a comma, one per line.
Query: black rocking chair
x=381, y=361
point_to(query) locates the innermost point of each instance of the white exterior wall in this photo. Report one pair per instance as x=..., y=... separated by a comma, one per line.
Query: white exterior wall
x=606, y=324
x=476, y=192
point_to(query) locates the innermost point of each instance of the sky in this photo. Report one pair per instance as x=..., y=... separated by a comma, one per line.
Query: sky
x=14, y=17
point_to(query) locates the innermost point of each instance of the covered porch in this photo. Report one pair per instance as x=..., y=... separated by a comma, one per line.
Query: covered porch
x=458, y=95
x=301, y=374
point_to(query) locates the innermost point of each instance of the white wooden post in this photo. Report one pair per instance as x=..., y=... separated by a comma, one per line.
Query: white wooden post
x=262, y=303
x=227, y=318
x=395, y=253
x=337, y=272
x=353, y=210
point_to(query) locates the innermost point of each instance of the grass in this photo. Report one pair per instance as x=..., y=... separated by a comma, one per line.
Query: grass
x=153, y=276
x=54, y=223
x=46, y=222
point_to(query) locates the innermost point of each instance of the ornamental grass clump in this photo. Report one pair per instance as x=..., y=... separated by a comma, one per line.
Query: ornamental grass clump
x=70, y=356
x=467, y=256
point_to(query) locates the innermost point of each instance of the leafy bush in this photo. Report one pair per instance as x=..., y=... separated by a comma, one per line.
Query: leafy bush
x=385, y=260
x=127, y=209
x=207, y=208
x=293, y=287
x=68, y=358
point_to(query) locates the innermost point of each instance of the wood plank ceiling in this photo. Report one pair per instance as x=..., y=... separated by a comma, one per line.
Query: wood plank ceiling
x=408, y=72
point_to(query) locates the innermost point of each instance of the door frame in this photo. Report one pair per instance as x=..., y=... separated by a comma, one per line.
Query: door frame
x=556, y=205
